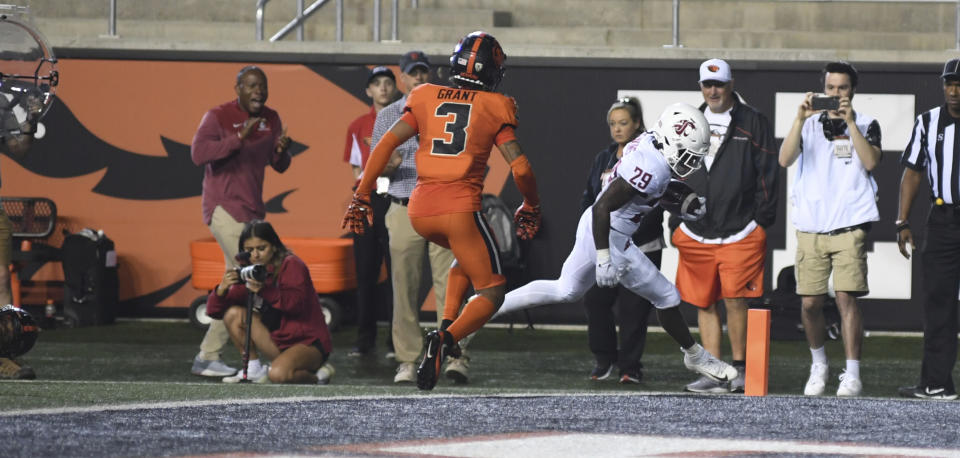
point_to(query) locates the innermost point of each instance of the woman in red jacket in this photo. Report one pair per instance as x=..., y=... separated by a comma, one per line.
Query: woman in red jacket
x=288, y=324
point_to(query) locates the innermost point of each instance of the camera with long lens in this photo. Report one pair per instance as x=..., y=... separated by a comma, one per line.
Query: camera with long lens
x=255, y=272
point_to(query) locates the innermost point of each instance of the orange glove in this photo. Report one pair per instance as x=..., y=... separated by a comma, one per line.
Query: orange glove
x=359, y=214
x=527, y=218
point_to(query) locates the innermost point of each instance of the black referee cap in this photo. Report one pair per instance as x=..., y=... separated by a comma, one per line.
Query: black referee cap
x=951, y=69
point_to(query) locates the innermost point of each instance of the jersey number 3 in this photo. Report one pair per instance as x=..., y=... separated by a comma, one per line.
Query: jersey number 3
x=456, y=127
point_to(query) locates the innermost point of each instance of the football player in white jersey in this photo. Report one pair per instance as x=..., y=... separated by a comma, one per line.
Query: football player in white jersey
x=604, y=252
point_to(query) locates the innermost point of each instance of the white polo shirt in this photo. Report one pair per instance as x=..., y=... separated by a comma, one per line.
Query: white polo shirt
x=832, y=189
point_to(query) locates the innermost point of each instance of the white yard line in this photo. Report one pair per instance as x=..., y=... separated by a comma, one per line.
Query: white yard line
x=267, y=400
x=552, y=327
x=629, y=445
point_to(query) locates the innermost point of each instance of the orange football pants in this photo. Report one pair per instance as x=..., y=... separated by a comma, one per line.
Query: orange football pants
x=472, y=243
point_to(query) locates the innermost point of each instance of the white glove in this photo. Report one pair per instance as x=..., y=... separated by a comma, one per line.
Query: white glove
x=698, y=211
x=607, y=273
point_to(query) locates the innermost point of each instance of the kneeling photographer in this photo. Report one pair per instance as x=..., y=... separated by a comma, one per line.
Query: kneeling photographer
x=288, y=327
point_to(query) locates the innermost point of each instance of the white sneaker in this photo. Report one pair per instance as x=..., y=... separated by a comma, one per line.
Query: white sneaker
x=406, y=373
x=818, y=379
x=706, y=384
x=260, y=375
x=458, y=369
x=325, y=373
x=849, y=386
x=701, y=361
x=738, y=384
x=210, y=368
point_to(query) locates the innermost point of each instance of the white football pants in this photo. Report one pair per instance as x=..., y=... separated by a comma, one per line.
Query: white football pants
x=579, y=274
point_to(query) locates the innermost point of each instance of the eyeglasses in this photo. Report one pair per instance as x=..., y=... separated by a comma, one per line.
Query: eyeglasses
x=712, y=83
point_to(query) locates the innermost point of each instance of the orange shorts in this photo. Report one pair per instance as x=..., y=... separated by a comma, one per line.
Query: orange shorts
x=472, y=241
x=707, y=273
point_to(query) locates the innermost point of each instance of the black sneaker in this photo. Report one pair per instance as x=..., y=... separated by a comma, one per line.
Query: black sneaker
x=927, y=392
x=601, y=371
x=429, y=368
x=631, y=377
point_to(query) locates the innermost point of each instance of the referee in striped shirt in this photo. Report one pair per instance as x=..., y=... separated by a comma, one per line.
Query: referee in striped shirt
x=935, y=148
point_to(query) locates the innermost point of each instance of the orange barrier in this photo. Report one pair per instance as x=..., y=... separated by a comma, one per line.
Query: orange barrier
x=758, y=352
x=330, y=261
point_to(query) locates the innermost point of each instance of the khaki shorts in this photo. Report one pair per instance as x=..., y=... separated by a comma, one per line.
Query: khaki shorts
x=844, y=254
x=6, y=238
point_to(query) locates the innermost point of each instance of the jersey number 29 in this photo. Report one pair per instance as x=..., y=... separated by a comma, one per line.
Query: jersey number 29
x=640, y=179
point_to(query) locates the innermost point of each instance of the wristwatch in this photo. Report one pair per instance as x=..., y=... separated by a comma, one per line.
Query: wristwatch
x=902, y=224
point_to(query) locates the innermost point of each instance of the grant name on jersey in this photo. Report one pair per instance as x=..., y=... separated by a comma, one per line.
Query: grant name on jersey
x=456, y=94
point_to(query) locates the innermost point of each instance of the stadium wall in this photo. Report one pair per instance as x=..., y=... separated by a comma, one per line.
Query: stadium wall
x=117, y=154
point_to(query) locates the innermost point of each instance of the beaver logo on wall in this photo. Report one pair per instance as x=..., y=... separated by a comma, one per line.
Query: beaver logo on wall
x=76, y=151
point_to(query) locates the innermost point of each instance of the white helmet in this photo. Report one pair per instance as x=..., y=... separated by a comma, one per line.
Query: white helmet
x=684, y=137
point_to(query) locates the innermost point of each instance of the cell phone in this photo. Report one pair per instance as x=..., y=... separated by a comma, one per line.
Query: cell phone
x=825, y=103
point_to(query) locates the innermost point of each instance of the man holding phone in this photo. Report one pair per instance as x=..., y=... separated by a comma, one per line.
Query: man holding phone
x=825, y=102
x=834, y=202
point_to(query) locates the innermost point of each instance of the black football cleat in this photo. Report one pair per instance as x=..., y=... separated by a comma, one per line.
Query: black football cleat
x=927, y=392
x=429, y=369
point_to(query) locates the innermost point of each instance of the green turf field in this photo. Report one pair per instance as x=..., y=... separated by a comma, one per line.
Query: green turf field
x=147, y=361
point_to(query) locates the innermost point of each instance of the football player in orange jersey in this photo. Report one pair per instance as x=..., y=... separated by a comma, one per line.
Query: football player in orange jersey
x=457, y=126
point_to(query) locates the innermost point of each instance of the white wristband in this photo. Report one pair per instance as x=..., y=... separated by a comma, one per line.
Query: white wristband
x=603, y=256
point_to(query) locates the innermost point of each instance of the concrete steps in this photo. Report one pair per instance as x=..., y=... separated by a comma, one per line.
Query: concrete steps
x=784, y=39
x=743, y=24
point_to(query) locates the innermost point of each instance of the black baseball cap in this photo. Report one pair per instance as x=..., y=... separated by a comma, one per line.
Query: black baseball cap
x=951, y=69
x=414, y=59
x=381, y=70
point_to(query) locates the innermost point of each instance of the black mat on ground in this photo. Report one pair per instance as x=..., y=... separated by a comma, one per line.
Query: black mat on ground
x=289, y=427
